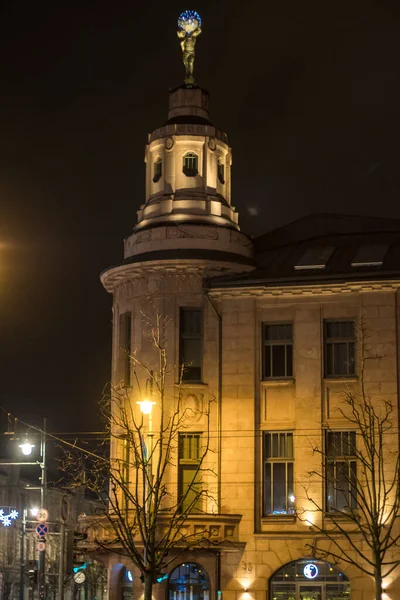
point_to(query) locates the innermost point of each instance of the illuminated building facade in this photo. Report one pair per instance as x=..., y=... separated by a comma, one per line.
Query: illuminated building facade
x=269, y=328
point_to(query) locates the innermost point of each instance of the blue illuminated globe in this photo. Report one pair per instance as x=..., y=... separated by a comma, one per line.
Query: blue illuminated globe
x=189, y=20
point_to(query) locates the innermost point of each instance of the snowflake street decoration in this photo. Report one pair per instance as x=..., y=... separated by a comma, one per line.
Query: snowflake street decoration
x=6, y=519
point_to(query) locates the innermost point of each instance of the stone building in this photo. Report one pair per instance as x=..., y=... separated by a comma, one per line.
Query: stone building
x=272, y=326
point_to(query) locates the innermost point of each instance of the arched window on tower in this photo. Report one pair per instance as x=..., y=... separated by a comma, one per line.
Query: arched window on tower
x=157, y=170
x=190, y=164
x=221, y=171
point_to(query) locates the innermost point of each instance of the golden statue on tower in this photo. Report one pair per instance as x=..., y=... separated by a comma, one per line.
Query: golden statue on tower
x=189, y=23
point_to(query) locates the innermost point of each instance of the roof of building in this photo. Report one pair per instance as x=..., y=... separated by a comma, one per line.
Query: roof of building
x=323, y=247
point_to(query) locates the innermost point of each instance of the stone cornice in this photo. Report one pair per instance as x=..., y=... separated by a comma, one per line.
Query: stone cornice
x=114, y=277
x=313, y=290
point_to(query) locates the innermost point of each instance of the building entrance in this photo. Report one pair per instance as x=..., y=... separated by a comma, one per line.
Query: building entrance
x=309, y=580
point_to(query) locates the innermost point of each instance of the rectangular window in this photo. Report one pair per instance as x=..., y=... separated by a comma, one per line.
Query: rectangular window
x=277, y=350
x=370, y=255
x=124, y=353
x=340, y=345
x=189, y=478
x=278, y=495
x=191, y=344
x=315, y=258
x=341, y=471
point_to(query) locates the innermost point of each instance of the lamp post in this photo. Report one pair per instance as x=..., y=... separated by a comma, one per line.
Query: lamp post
x=146, y=408
x=26, y=449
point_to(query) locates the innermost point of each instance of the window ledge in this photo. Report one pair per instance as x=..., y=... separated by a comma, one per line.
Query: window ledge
x=195, y=384
x=284, y=382
x=341, y=379
x=278, y=519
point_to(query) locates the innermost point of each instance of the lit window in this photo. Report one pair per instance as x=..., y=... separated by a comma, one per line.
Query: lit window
x=221, y=172
x=190, y=164
x=339, y=348
x=124, y=355
x=341, y=471
x=371, y=255
x=157, y=170
x=315, y=258
x=190, y=343
x=278, y=474
x=189, y=480
x=277, y=350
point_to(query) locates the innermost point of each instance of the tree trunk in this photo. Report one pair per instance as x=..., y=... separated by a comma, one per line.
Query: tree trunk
x=148, y=585
x=378, y=584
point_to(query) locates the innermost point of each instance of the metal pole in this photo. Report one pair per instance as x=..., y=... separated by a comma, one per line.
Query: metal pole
x=22, y=557
x=42, y=553
x=61, y=562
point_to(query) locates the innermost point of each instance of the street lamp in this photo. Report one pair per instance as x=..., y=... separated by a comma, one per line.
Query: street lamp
x=146, y=406
x=26, y=448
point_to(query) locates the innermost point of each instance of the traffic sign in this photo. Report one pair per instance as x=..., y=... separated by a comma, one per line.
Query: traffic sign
x=41, y=546
x=42, y=529
x=42, y=515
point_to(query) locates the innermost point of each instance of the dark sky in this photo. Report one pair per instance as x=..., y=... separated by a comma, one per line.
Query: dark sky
x=308, y=92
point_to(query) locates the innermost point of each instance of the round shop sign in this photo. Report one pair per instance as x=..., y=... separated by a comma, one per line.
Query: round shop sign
x=79, y=577
x=310, y=571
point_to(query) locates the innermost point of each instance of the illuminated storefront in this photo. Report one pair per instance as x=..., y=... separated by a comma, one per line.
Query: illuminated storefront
x=309, y=580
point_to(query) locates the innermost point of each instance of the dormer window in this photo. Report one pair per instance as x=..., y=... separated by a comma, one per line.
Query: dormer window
x=221, y=172
x=157, y=170
x=190, y=164
x=315, y=258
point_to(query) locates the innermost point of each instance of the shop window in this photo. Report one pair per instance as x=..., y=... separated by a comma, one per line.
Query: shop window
x=190, y=164
x=278, y=496
x=309, y=580
x=341, y=471
x=277, y=350
x=189, y=581
x=191, y=344
x=340, y=342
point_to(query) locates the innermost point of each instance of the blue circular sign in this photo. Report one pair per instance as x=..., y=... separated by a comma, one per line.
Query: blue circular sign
x=42, y=529
x=310, y=571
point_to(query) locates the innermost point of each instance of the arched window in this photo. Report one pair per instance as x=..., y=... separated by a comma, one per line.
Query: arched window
x=190, y=164
x=126, y=580
x=309, y=580
x=221, y=171
x=189, y=581
x=157, y=170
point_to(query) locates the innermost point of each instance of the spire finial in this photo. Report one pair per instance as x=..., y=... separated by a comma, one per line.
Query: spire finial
x=189, y=23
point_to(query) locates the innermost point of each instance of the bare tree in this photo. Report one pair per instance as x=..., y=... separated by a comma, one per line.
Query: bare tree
x=137, y=484
x=9, y=565
x=360, y=475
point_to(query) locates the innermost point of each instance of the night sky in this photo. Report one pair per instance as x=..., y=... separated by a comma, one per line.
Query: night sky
x=308, y=92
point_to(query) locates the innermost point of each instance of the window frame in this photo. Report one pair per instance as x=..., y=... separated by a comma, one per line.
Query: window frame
x=190, y=170
x=157, y=169
x=272, y=343
x=221, y=171
x=351, y=364
x=350, y=460
x=188, y=464
x=125, y=348
x=184, y=373
x=275, y=460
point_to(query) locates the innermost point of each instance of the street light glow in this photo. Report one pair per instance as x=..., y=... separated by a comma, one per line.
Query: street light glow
x=146, y=406
x=34, y=511
x=26, y=448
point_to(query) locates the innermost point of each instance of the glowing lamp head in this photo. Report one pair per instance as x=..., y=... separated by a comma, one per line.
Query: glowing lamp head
x=34, y=511
x=26, y=448
x=146, y=406
x=189, y=20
